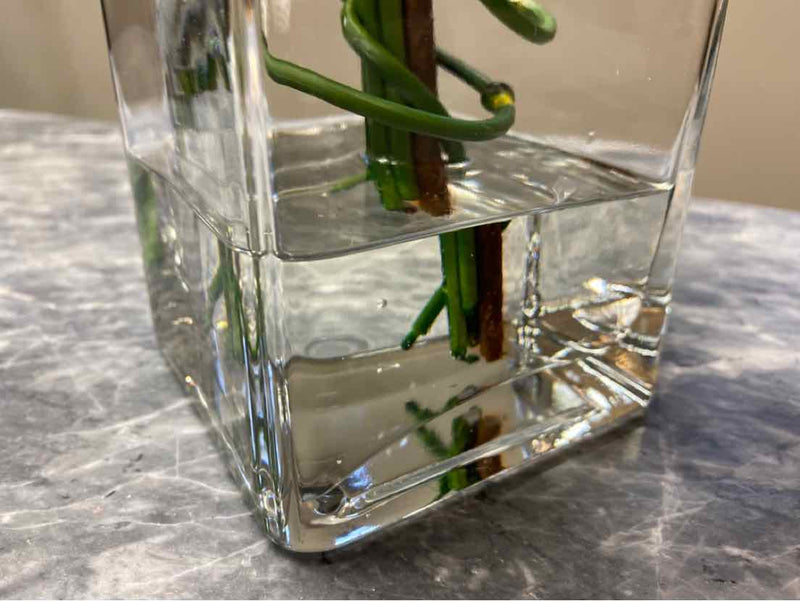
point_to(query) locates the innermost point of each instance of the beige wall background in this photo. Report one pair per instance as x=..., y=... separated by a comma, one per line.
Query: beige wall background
x=52, y=58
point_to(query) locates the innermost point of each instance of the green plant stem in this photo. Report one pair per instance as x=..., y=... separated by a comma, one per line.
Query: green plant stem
x=391, y=62
x=468, y=280
x=433, y=443
x=385, y=111
x=455, y=314
x=348, y=182
x=383, y=22
x=391, y=16
x=421, y=414
x=377, y=133
x=399, y=99
x=527, y=18
x=422, y=324
x=463, y=438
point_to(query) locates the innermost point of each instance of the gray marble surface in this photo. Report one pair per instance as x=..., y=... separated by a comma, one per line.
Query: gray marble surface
x=111, y=487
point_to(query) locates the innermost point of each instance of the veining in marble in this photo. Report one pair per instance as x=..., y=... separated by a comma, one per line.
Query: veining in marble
x=110, y=485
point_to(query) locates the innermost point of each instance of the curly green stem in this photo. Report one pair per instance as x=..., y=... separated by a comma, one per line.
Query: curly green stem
x=391, y=113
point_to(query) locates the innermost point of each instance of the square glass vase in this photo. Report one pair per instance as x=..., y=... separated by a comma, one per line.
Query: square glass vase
x=399, y=248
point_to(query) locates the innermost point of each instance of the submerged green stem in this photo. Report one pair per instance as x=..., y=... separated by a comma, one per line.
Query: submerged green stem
x=468, y=280
x=455, y=314
x=422, y=324
x=348, y=182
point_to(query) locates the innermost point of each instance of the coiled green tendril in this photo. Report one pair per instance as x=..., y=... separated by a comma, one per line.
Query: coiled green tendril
x=424, y=113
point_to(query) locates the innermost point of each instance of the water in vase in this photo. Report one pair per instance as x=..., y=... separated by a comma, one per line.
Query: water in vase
x=310, y=333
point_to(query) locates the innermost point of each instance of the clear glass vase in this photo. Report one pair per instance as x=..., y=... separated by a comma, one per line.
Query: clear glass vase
x=386, y=287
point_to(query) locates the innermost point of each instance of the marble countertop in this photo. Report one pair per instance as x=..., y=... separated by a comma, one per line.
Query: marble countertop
x=111, y=487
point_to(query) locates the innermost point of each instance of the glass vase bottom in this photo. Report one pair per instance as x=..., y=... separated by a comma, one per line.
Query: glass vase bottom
x=403, y=470
x=336, y=432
